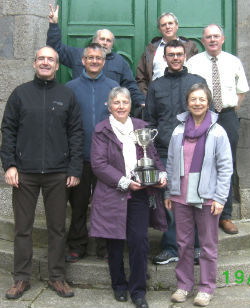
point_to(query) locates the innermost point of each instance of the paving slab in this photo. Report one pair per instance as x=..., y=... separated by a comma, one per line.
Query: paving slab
x=40, y=296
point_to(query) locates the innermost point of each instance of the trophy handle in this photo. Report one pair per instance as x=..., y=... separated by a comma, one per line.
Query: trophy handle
x=154, y=131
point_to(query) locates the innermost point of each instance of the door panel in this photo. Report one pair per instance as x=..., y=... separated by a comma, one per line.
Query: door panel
x=134, y=23
x=194, y=15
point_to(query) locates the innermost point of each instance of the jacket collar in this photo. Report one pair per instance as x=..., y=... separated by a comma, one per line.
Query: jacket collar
x=183, y=116
x=176, y=74
x=110, y=56
x=44, y=83
x=88, y=77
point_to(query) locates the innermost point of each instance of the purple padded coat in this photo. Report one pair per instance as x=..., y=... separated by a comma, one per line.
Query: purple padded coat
x=109, y=205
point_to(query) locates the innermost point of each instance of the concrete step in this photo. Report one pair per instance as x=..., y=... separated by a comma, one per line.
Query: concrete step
x=40, y=296
x=92, y=272
x=236, y=242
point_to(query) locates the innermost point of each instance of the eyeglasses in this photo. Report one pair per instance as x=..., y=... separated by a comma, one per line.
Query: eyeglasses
x=92, y=58
x=173, y=55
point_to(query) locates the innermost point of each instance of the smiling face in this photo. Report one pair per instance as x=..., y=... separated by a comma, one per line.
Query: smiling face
x=175, y=57
x=213, y=40
x=93, y=62
x=46, y=63
x=120, y=107
x=198, y=105
x=168, y=28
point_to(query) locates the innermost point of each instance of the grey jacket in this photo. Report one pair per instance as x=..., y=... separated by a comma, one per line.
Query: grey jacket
x=217, y=167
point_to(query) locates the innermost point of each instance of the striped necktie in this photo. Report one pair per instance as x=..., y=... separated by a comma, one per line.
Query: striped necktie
x=216, y=85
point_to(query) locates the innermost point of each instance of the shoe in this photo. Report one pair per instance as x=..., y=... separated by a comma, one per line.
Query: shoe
x=17, y=290
x=141, y=303
x=180, y=296
x=121, y=295
x=202, y=299
x=197, y=253
x=164, y=258
x=73, y=257
x=61, y=287
x=228, y=227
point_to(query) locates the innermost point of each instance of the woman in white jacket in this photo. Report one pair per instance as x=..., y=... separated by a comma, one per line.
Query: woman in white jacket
x=199, y=170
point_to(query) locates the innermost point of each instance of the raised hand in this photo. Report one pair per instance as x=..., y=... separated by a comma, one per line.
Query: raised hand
x=53, y=14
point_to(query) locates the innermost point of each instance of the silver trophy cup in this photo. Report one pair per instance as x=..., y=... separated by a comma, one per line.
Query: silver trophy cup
x=146, y=172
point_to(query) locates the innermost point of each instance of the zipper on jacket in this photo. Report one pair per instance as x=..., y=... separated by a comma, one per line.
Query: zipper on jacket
x=43, y=128
x=93, y=103
x=203, y=158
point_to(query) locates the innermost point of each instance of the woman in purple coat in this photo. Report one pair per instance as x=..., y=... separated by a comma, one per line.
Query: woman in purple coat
x=120, y=206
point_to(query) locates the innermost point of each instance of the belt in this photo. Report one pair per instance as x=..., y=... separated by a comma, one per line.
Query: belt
x=224, y=110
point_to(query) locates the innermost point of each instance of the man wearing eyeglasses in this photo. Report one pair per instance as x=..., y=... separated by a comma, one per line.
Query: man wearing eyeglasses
x=91, y=89
x=165, y=99
x=116, y=67
x=152, y=64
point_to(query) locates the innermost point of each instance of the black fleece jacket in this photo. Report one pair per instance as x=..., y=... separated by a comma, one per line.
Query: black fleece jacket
x=42, y=129
x=165, y=99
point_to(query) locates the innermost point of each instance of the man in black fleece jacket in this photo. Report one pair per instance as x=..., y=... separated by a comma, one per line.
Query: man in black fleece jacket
x=42, y=148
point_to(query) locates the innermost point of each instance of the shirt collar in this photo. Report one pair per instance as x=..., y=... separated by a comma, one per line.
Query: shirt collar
x=210, y=57
x=162, y=43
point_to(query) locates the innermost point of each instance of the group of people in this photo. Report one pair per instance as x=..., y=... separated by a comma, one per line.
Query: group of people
x=74, y=143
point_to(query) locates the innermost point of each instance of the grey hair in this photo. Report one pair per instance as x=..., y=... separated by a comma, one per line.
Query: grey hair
x=57, y=56
x=167, y=14
x=219, y=27
x=200, y=86
x=98, y=32
x=94, y=46
x=118, y=90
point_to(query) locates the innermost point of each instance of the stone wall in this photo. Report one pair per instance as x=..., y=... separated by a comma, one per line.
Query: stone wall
x=243, y=152
x=23, y=28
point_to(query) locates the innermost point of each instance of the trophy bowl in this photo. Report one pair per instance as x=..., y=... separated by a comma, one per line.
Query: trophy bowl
x=147, y=175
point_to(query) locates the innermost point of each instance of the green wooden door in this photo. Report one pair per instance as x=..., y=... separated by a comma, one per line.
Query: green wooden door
x=193, y=16
x=134, y=22
x=81, y=18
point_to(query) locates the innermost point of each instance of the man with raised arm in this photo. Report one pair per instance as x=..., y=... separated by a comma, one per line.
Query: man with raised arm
x=116, y=67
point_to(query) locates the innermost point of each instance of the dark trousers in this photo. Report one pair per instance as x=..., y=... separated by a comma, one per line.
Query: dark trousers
x=230, y=122
x=137, y=240
x=79, y=199
x=53, y=186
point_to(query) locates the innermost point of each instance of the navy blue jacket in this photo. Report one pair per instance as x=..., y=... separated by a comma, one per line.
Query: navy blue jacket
x=92, y=96
x=115, y=67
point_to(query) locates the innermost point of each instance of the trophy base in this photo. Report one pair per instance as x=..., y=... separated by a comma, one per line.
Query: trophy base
x=147, y=176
